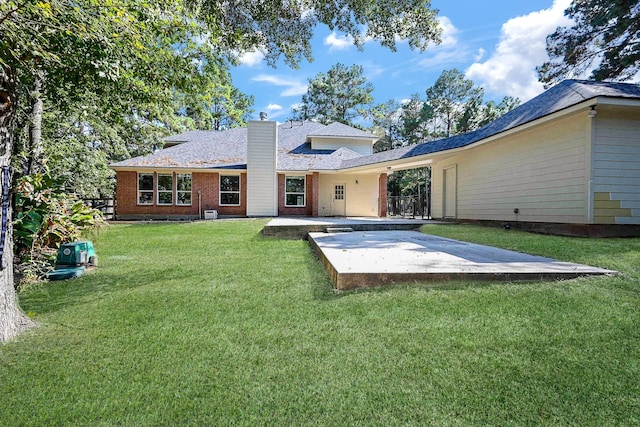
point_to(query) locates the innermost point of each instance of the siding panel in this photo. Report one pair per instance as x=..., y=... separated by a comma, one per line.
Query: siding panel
x=541, y=171
x=262, y=184
x=616, y=166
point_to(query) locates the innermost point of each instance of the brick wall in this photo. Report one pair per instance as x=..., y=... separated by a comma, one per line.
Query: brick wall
x=207, y=183
x=382, y=191
x=305, y=211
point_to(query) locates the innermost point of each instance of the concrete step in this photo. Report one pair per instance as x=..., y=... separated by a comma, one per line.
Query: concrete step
x=339, y=229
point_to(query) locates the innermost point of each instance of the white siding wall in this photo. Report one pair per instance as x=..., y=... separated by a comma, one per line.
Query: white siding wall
x=616, y=166
x=541, y=171
x=262, y=186
x=361, y=198
x=360, y=147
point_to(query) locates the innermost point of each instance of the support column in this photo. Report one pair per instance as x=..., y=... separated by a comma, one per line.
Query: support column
x=315, y=193
x=382, y=195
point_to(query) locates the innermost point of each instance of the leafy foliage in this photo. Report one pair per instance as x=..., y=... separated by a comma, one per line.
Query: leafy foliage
x=603, y=42
x=449, y=97
x=114, y=77
x=286, y=28
x=339, y=95
x=46, y=217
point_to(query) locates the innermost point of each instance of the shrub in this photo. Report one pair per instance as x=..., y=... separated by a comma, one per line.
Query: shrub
x=46, y=217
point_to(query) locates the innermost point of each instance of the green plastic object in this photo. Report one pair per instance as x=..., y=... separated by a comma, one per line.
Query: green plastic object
x=73, y=259
x=80, y=253
x=65, y=273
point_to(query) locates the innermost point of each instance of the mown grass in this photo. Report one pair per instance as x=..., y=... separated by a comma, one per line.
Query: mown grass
x=212, y=324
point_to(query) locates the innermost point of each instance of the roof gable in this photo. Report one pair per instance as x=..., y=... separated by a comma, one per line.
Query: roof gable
x=340, y=130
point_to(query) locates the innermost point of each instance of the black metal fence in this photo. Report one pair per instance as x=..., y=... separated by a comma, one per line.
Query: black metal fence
x=416, y=206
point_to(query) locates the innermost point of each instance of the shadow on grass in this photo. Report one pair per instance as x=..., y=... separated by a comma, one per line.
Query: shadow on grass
x=54, y=296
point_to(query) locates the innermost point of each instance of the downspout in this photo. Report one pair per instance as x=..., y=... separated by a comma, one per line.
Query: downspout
x=199, y=204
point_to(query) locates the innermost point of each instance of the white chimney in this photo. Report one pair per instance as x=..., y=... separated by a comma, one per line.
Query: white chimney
x=262, y=179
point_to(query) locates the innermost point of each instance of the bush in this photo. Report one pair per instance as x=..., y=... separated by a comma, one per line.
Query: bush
x=46, y=217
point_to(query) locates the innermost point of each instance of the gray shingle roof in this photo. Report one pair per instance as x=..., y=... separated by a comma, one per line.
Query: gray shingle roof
x=341, y=130
x=228, y=149
x=204, y=150
x=564, y=95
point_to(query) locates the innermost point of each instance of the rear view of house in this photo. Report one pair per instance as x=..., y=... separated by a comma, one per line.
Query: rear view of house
x=265, y=169
x=566, y=161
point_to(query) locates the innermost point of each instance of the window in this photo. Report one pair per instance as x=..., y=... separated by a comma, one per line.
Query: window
x=165, y=189
x=183, y=189
x=230, y=190
x=294, y=188
x=145, y=188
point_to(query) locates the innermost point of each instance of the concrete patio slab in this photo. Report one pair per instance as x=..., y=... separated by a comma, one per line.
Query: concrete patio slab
x=299, y=227
x=374, y=258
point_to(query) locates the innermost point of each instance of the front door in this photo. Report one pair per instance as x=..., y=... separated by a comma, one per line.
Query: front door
x=339, y=206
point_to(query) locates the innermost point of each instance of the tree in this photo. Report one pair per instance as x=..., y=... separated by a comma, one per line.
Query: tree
x=286, y=28
x=449, y=96
x=340, y=95
x=120, y=54
x=218, y=106
x=130, y=56
x=415, y=116
x=476, y=114
x=491, y=111
x=386, y=122
x=12, y=320
x=603, y=41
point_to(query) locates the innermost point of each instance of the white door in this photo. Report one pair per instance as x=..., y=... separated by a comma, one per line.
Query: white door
x=339, y=205
x=449, y=191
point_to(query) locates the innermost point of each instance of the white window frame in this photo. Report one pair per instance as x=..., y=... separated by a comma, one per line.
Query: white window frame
x=297, y=194
x=159, y=191
x=220, y=191
x=178, y=191
x=139, y=191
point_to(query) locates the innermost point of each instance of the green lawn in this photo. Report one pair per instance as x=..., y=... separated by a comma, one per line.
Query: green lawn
x=209, y=323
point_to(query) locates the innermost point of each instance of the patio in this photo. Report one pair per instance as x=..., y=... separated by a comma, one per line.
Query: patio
x=374, y=258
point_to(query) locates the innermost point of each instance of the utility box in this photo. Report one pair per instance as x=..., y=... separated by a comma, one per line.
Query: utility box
x=72, y=260
x=75, y=254
x=211, y=214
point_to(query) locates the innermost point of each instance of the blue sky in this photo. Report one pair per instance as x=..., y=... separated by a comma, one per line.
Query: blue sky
x=496, y=43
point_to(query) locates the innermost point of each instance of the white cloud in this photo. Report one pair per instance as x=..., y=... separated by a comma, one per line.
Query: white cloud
x=447, y=52
x=292, y=86
x=274, y=107
x=441, y=59
x=511, y=68
x=251, y=59
x=336, y=42
x=449, y=32
x=480, y=54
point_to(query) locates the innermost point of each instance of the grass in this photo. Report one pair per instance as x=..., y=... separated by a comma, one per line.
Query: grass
x=210, y=323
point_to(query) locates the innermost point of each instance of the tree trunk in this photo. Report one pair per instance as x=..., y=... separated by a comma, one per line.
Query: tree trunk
x=35, y=151
x=12, y=320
